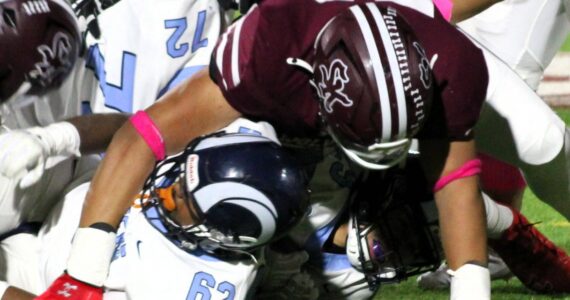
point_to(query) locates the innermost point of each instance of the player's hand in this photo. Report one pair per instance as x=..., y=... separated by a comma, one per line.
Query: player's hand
x=23, y=153
x=68, y=288
x=22, y=156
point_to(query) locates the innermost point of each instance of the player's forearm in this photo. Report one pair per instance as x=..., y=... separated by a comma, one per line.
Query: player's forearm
x=128, y=161
x=97, y=130
x=194, y=108
x=451, y=169
x=14, y=293
x=464, y=9
x=462, y=223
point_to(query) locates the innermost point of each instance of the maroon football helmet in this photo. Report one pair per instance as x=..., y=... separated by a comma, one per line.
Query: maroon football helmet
x=39, y=44
x=374, y=83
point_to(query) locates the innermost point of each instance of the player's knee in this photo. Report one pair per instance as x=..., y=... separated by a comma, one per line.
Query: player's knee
x=545, y=147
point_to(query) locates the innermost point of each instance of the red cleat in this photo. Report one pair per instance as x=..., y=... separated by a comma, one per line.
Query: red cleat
x=535, y=260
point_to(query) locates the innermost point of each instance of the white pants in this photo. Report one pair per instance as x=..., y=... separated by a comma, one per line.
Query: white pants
x=32, y=262
x=526, y=34
x=19, y=262
x=516, y=126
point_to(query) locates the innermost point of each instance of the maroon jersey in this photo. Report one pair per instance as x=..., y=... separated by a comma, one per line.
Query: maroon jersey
x=250, y=65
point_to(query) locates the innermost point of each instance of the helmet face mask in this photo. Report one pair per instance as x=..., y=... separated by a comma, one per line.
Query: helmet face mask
x=236, y=206
x=379, y=156
x=391, y=235
x=373, y=82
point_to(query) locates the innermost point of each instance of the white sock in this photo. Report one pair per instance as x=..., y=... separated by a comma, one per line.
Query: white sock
x=499, y=217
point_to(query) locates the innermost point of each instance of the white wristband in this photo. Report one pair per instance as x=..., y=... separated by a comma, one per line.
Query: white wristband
x=470, y=282
x=60, y=138
x=90, y=256
x=3, y=287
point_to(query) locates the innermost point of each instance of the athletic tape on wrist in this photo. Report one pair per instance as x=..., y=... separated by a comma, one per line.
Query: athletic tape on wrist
x=150, y=133
x=470, y=168
x=470, y=282
x=90, y=255
x=445, y=7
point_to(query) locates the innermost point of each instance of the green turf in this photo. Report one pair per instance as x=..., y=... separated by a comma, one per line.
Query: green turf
x=566, y=46
x=551, y=224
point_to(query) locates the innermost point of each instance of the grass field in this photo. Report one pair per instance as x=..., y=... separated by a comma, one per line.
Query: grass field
x=551, y=224
x=566, y=46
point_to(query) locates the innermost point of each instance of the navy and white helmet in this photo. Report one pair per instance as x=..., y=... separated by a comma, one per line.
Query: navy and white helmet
x=245, y=189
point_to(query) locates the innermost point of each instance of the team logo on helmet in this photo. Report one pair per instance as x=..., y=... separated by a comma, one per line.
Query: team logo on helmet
x=56, y=60
x=331, y=87
x=244, y=196
x=425, y=74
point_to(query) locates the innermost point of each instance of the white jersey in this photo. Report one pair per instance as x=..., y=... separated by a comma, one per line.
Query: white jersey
x=32, y=204
x=145, y=265
x=331, y=181
x=526, y=34
x=147, y=47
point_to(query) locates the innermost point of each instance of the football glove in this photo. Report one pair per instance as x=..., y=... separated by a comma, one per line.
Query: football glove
x=87, y=266
x=23, y=153
x=69, y=288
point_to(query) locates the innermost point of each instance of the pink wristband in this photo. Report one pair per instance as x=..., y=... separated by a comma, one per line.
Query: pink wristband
x=150, y=133
x=470, y=168
x=445, y=7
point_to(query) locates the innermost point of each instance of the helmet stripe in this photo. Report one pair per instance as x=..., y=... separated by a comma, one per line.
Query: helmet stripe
x=235, y=52
x=230, y=140
x=394, y=66
x=378, y=71
x=244, y=196
x=220, y=57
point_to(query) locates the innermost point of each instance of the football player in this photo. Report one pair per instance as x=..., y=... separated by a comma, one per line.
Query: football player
x=40, y=43
x=371, y=115
x=39, y=164
x=526, y=35
x=111, y=77
x=204, y=213
x=392, y=234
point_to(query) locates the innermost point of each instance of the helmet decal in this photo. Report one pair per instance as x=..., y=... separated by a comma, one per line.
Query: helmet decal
x=57, y=58
x=242, y=195
x=192, y=178
x=424, y=66
x=331, y=87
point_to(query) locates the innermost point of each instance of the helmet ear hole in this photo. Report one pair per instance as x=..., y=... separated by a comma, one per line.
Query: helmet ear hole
x=9, y=17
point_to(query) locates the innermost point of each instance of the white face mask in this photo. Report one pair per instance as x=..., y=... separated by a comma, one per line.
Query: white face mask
x=379, y=156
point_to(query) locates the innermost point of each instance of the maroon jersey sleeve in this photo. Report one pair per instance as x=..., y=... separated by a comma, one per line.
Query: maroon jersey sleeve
x=250, y=62
x=461, y=77
x=251, y=70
